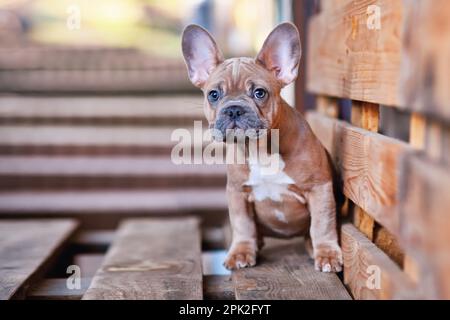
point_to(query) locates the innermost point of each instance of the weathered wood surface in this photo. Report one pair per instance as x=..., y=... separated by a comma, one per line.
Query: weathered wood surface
x=89, y=263
x=349, y=59
x=112, y=201
x=425, y=212
x=366, y=116
x=151, y=259
x=26, y=249
x=56, y=289
x=369, y=165
x=368, y=272
x=85, y=110
x=101, y=172
x=54, y=135
x=53, y=69
x=426, y=58
x=104, y=209
x=218, y=287
x=285, y=271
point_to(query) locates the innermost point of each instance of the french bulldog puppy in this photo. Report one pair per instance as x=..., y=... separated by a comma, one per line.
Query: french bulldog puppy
x=297, y=199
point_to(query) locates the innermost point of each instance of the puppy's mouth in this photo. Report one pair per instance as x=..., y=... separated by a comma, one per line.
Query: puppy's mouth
x=231, y=127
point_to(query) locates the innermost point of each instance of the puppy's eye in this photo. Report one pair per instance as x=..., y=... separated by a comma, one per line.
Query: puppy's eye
x=213, y=96
x=259, y=93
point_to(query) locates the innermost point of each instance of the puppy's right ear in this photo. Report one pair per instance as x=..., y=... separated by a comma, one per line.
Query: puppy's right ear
x=201, y=54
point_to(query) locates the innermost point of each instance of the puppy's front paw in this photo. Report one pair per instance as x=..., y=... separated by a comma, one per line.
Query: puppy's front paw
x=328, y=258
x=241, y=255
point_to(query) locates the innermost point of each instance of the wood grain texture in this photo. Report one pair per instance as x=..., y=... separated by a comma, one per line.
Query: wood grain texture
x=27, y=248
x=350, y=60
x=425, y=213
x=151, y=259
x=365, y=265
x=369, y=165
x=89, y=263
x=366, y=116
x=285, y=271
x=218, y=287
x=426, y=58
x=114, y=109
x=125, y=172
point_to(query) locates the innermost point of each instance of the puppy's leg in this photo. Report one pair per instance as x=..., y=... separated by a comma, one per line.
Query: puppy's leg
x=326, y=250
x=244, y=244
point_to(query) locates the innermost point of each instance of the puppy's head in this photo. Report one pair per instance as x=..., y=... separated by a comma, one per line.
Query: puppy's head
x=242, y=93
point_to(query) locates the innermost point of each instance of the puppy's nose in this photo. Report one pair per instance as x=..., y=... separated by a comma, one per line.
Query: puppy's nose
x=234, y=112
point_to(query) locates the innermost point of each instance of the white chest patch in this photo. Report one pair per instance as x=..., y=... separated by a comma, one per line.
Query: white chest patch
x=270, y=181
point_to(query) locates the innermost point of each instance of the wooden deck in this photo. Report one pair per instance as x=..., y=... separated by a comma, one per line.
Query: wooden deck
x=138, y=226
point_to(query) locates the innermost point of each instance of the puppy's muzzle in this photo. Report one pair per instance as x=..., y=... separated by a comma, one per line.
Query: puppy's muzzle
x=238, y=120
x=234, y=112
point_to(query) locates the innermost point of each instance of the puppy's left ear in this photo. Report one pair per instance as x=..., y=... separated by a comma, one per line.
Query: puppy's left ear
x=201, y=54
x=281, y=53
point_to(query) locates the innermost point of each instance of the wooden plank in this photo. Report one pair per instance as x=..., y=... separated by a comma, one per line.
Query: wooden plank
x=161, y=80
x=417, y=134
x=367, y=116
x=56, y=289
x=369, y=164
x=218, y=287
x=133, y=108
x=368, y=272
x=113, y=201
x=426, y=58
x=87, y=135
x=151, y=259
x=417, y=131
x=327, y=106
x=89, y=263
x=103, y=166
x=348, y=59
x=285, y=271
x=425, y=212
x=100, y=172
x=27, y=250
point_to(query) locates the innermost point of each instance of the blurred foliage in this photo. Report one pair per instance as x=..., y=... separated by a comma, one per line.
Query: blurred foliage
x=150, y=25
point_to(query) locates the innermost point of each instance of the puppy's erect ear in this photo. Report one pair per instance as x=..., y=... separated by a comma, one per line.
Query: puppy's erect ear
x=201, y=54
x=281, y=53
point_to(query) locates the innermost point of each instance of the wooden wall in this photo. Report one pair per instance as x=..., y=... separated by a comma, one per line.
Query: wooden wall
x=397, y=216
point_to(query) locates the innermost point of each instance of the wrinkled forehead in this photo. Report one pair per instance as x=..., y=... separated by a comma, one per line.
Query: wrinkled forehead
x=240, y=74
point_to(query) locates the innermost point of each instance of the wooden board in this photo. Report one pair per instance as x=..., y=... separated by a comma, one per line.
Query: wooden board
x=151, y=259
x=369, y=165
x=426, y=58
x=101, y=107
x=368, y=272
x=285, y=271
x=27, y=248
x=104, y=209
x=101, y=172
x=348, y=59
x=218, y=287
x=113, y=201
x=89, y=263
x=425, y=213
x=366, y=116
